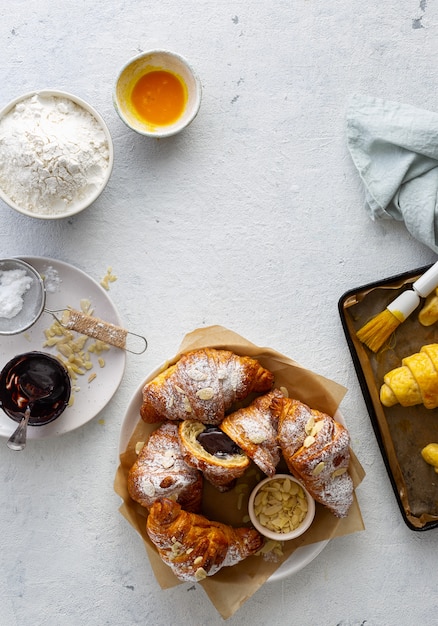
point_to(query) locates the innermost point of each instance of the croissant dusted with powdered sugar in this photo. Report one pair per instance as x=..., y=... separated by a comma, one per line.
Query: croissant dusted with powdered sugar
x=316, y=449
x=195, y=547
x=254, y=429
x=203, y=385
x=160, y=470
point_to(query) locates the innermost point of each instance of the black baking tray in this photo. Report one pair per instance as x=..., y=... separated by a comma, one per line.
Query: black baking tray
x=401, y=432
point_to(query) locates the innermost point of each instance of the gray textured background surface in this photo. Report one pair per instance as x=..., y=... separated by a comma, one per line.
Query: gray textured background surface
x=253, y=218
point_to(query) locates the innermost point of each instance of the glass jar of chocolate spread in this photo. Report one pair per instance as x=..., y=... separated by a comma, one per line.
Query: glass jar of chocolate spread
x=42, y=371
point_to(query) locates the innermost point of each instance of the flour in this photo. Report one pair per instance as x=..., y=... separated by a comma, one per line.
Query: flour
x=53, y=154
x=13, y=286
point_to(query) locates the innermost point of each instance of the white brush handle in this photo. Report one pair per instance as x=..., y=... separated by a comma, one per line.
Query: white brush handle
x=404, y=304
x=427, y=282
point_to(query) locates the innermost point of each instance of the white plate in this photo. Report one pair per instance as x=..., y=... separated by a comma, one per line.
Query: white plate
x=74, y=285
x=297, y=560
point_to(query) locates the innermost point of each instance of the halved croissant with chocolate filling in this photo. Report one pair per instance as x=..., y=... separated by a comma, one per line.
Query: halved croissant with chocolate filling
x=254, y=429
x=213, y=453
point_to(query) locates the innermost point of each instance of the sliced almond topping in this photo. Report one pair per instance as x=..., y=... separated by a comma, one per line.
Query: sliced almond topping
x=286, y=487
x=200, y=573
x=206, y=393
x=176, y=549
x=147, y=488
x=317, y=427
x=196, y=374
x=138, y=446
x=272, y=510
x=167, y=462
x=257, y=438
x=309, y=425
x=339, y=472
x=270, y=545
x=318, y=469
x=308, y=441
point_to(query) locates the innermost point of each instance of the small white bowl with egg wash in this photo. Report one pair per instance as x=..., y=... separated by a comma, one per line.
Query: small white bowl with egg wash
x=56, y=154
x=157, y=93
x=280, y=508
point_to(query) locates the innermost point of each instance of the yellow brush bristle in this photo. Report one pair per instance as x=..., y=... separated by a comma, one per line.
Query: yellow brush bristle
x=378, y=330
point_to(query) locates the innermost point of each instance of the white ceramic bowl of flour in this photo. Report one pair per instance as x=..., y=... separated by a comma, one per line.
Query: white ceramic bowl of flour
x=56, y=154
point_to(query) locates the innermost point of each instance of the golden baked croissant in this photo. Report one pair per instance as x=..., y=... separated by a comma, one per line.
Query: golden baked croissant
x=316, y=449
x=160, y=470
x=254, y=429
x=211, y=451
x=195, y=547
x=415, y=381
x=203, y=385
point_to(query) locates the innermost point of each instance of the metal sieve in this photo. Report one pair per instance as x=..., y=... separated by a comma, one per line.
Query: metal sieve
x=34, y=300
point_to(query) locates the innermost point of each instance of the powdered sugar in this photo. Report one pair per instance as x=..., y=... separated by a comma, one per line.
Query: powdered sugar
x=322, y=465
x=203, y=385
x=53, y=154
x=292, y=432
x=13, y=286
x=254, y=429
x=160, y=470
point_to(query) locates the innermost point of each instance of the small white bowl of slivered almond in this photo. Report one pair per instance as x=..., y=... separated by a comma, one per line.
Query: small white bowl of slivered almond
x=281, y=508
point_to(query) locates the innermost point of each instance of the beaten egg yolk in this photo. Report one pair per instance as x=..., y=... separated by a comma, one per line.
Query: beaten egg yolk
x=159, y=97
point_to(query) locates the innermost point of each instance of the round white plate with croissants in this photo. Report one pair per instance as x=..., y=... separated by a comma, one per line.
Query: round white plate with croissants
x=298, y=559
x=231, y=507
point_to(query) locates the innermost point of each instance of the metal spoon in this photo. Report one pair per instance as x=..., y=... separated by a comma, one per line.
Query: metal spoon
x=17, y=441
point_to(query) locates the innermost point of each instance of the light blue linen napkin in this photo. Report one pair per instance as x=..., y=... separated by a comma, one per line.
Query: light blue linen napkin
x=395, y=149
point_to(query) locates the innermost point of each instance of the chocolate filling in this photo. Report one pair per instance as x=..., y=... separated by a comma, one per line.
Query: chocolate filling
x=216, y=442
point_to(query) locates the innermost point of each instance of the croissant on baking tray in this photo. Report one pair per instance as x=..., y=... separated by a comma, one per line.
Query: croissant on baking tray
x=316, y=449
x=160, y=470
x=195, y=547
x=254, y=430
x=203, y=385
x=211, y=451
x=428, y=314
x=415, y=381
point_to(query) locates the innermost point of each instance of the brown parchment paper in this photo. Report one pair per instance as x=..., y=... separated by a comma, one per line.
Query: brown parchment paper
x=232, y=586
x=402, y=431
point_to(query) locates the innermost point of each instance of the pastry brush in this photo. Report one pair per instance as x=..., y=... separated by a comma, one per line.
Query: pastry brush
x=378, y=330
